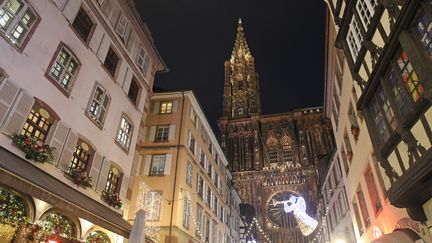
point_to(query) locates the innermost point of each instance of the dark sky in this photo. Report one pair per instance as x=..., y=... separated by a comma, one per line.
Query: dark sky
x=286, y=37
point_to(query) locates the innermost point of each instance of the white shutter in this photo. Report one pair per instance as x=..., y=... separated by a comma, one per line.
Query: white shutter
x=142, y=99
x=95, y=168
x=57, y=137
x=147, y=163
x=168, y=163
x=60, y=4
x=148, y=72
x=18, y=114
x=71, y=9
x=104, y=47
x=96, y=39
x=68, y=150
x=156, y=106
x=122, y=72
x=171, y=132
x=131, y=43
x=8, y=93
x=174, y=106
x=139, y=165
x=124, y=187
x=146, y=133
x=152, y=133
x=103, y=175
x=127, y=80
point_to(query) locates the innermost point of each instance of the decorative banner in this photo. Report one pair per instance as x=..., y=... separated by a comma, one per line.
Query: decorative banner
x=297, y=205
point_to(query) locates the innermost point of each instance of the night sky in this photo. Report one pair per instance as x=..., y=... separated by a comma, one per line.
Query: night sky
x=195, y=37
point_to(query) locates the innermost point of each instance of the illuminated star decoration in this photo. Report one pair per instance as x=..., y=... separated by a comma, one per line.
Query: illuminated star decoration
x=297, y=205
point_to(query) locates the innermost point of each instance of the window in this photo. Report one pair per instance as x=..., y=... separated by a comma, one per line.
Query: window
x=357, y=217
x=400, y=96
x=193, y=118
x=409, y=76
x=191, y=143
x=208, y=194
x=83, y=25
x=112, y=184
x=134, y=91
x=153, y=202
x=198, y=221
x=157, y=165
x=287, y=152
x=189, y=174
x=186, y=212
x=143, y=60
x=363, y=208
x=98, y=105
x=273, y=156
x=111, y=62
x=382, y=114
x=354, y=38
x=423, y=28
x=202, y=158
x=80, y=157
x=366, y=10
x=372, y=189
x=165, y=107
x=206, y=228
x=122, y=27
x=162, y=133
x=64, y=68
x=17, y=18
x=37, y=124
x=124, y=134
x=200, y=186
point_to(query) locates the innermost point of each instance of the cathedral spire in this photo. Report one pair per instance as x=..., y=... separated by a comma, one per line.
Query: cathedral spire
x=241, y=89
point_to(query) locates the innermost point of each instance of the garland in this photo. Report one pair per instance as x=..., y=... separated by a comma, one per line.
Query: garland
x=80, y=177
x=112, y=199
x=33, y=148
x=97, y=237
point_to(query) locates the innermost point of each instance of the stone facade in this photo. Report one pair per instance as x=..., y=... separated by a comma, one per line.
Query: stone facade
x=271, y=156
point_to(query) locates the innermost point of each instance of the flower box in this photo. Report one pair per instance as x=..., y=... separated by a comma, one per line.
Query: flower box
x=33, y=148
x=112, y=199
x=79, y=177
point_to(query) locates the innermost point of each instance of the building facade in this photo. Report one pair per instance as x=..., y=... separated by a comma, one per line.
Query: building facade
x=75, y=77
x=185, y=169
x=272, y=157
x=377, y=97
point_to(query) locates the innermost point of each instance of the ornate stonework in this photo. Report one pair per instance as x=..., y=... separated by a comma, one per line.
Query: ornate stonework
x=269, y=154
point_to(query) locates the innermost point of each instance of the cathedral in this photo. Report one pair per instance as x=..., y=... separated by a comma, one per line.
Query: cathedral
x=274, y=158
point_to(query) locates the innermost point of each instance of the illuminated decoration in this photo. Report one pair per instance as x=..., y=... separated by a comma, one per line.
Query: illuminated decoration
x=13, y=214
x=377, y=232
x=97, y=237
x=249, y=231
x=146, y=203
x=57, y=224
x=297, y=205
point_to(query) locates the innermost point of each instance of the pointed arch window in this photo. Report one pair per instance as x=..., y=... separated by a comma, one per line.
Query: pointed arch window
x=287, y=151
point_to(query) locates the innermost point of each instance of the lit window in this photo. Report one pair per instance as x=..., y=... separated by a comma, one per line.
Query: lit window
x=189, y=174
x=366, y=10
x=112, y=184
x=354, y=38
x=83, y=25
x=143, y=60
x=98, y=105
x=80, y=157
x=124, y=134
x=37, y=124
x=165, y=107
x=157, y=165
x=134, y=90
x=162, y=133
x=17, y=18
x=153, y=202
x=64, y=68
x=111, y=62
x=409, y=76
x=186, y=212
x=273, y=156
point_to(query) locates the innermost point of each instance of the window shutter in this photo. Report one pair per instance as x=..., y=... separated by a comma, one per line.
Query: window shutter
x=124, y=187
x=152, y=133
x=8, y=92
x=148, y=72
x=171, y=132
x=68, y=151
x=142, y=99
x=168, y=163
x=122, y=72
x=71, y=9
x=60, y=4
x=95, y=168
x=147, y=163
x=127, y=33
x=104, y=47
x=131, y=42
x=139, y=165
x=57, y=137
x=103, y=175
x=18, y=114
x=127, y=80
x=96, y=40
x=156, y=106
x=174, y=106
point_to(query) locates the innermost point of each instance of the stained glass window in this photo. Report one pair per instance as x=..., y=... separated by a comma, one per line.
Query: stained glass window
x=409, y=76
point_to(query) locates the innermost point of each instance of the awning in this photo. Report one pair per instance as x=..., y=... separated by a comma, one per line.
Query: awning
x=399, y=236
x=23, y=176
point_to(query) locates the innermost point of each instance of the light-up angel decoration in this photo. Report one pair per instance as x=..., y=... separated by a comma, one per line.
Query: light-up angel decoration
x=297, y=205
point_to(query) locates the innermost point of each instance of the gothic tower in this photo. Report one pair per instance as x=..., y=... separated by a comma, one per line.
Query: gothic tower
x=272, y=157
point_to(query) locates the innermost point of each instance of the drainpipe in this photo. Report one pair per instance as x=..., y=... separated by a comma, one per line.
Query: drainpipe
x=176, y=165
